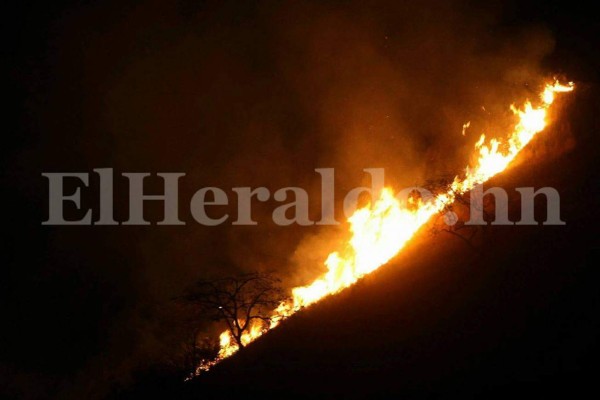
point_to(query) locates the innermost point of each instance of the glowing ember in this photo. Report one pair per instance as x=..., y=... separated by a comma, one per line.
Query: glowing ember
x=380, y=230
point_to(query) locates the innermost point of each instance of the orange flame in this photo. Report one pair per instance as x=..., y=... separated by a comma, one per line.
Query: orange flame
x=380, y=230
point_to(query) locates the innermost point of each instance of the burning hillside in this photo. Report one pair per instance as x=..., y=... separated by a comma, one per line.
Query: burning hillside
x=380, y=230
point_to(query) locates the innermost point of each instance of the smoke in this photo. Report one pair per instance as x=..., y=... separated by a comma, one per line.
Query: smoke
x=240, y=94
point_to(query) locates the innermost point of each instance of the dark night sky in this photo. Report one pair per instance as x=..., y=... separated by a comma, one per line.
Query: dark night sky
x=233, y=94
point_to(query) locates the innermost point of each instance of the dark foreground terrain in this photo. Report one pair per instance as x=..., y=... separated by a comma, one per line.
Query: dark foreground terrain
x=518, y=316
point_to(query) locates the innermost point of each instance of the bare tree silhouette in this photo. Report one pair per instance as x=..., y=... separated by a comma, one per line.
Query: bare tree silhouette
x=452, y=219
x=239, y=301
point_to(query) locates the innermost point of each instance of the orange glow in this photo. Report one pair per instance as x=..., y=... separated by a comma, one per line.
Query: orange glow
x=380, y=230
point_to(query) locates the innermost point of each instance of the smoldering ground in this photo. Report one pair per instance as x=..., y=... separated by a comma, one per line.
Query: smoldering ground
x=233, y=94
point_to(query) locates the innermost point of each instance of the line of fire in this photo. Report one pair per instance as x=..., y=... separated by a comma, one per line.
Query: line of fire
x=380, y=230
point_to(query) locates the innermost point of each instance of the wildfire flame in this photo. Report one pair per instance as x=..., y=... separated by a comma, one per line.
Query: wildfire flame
x=381, y=229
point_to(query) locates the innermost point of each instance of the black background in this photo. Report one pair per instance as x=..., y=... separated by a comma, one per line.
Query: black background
x=188, y=87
